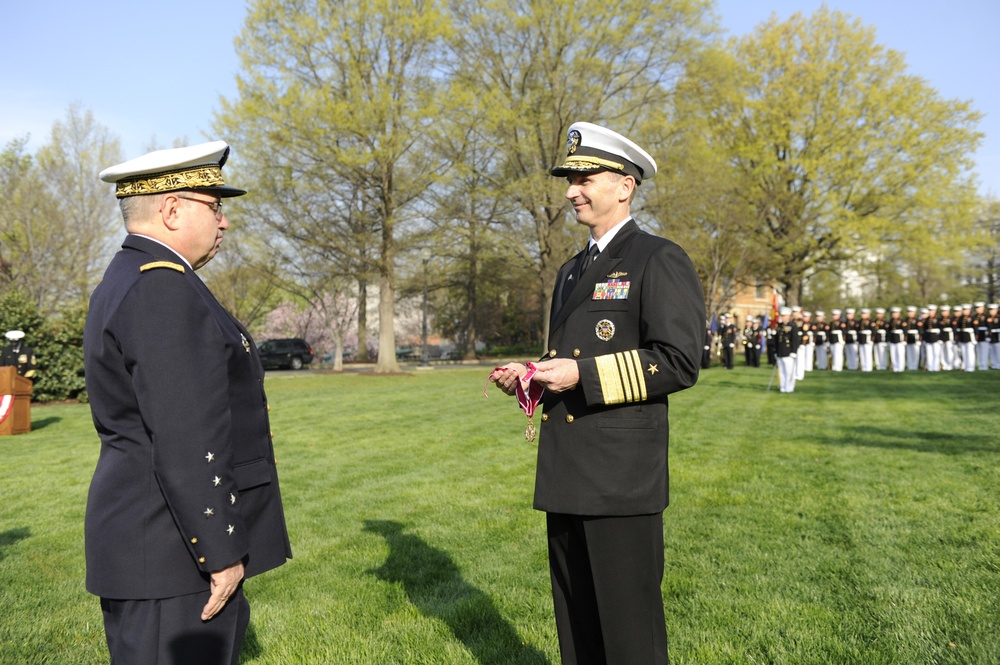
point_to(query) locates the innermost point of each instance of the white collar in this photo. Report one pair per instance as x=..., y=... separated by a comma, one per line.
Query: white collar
x=606, y=239
x=167, y=246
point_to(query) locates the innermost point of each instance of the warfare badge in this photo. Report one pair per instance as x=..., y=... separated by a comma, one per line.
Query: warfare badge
x=605, y=330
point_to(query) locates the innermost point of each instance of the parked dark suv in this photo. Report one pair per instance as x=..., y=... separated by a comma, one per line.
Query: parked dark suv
x=291, y=353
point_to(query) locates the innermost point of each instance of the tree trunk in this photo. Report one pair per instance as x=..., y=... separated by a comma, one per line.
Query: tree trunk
x=387, y=363
x=362, y=320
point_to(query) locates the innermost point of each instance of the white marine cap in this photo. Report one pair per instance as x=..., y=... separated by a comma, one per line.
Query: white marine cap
x=981, y=303
x=784, y=311
x=945, y=307
x=898, y=309
x=849, y=310
x=196, y=167
x=865, y=310
x=591, y=148
x=931, y=308
x=805, y=313
x=835, y=311
x=966, y=305
x=14, y=335
x=796, y=308
x=911, y=308
x=820, y=312
x=993, y=305
x=880, y=310
x=924, y=310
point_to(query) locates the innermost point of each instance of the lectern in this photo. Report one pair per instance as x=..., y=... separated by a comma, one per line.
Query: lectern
x=15, y=402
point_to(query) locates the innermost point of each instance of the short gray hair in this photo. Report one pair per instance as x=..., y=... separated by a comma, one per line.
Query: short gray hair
x=137, y=209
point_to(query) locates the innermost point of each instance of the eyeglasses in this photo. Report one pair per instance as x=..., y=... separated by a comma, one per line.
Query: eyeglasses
x=216, y=206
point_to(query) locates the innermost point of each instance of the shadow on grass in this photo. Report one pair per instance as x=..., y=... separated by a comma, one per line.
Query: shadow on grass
x=946, y=443
x=11, y=537
x=251, y=649
x=42, y=423
x=434, y=585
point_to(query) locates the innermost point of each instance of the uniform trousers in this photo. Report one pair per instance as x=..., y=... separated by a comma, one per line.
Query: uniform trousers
x=169, y=631
x=969, y=356
x=983, y=355
x=786, y=373
x=947, y=355
x=994, y=355
x=821, y=351
x=606, y=576
x=837, y=356
x=881, y=355
x=851, y=354
x=897, y=356
x=932, y=357
x=810, y=354
x=912, y=357
x=866, y=353
x=800, y=363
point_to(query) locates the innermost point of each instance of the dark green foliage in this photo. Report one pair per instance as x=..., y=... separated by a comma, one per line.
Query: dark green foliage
x=58, y=345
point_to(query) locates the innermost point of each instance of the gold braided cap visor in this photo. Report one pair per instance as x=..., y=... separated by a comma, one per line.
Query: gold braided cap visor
x=199, y=177
x=582, y=163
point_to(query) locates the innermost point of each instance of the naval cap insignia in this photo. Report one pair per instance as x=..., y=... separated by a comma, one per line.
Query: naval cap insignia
x=605, y=330
x=572, y=141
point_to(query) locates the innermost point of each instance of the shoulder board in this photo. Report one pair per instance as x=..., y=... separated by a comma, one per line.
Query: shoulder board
x=162, y=264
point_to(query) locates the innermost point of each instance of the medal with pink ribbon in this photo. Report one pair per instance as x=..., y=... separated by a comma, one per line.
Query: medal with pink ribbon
x=528, y=393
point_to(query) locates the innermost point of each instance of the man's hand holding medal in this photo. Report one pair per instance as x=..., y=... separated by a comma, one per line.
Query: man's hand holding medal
x=529, y=381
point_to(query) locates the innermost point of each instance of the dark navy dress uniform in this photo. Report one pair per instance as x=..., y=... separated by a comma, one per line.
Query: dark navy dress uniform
x=635, y=325
x=186, y=482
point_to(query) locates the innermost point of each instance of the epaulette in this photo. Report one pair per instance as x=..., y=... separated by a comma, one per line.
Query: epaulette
x=162, y=264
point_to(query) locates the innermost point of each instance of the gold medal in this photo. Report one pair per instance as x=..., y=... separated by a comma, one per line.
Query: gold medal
x=529, y=432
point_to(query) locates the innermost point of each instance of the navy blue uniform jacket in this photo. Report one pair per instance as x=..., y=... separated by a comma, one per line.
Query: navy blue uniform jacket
x=635, y=324
x=185, y=483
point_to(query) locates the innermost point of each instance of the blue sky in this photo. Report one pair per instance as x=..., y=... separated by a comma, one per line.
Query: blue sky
x=154, y=72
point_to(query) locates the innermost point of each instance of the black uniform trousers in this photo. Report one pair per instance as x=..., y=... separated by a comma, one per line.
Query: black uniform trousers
x=606, y=576
x=169, y=631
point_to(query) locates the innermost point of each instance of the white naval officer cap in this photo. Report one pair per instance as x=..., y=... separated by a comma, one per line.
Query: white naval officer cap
x=14, y=335
x=785, y=311
x=820, y=312
x=945, y=308
x=591, y=148
x=966, y=305
x=911, y=308
x=849, y=310
x=931, y=308
x=993, y=305
x=899, y=309
x=196, y=167
x=865, y=310
x=981, y=303
x=835, y=311
x=880, y=310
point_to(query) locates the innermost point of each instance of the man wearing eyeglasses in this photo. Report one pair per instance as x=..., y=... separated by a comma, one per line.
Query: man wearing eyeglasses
x=184, y=503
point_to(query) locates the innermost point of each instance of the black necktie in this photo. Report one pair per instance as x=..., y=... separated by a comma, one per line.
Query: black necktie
x=589, y=259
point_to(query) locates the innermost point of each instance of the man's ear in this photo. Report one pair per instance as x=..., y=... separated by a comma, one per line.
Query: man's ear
x=170, y=212
x=627, y=185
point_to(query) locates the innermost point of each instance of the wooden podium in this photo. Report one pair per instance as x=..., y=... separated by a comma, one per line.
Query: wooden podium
x=15, y=402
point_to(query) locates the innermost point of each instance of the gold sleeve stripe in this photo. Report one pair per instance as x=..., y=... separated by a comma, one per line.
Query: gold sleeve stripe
x=162, y=264
x=622, y=380
x=623, y=376
x=635, y=375
x=611, y=387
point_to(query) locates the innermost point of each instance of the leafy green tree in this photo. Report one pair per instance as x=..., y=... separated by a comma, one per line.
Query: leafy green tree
x=58, y=220
x=337, y=101
x=844, y=153
x=537, y=66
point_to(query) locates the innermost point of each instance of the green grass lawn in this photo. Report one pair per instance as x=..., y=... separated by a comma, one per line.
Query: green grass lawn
x=854, y=521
